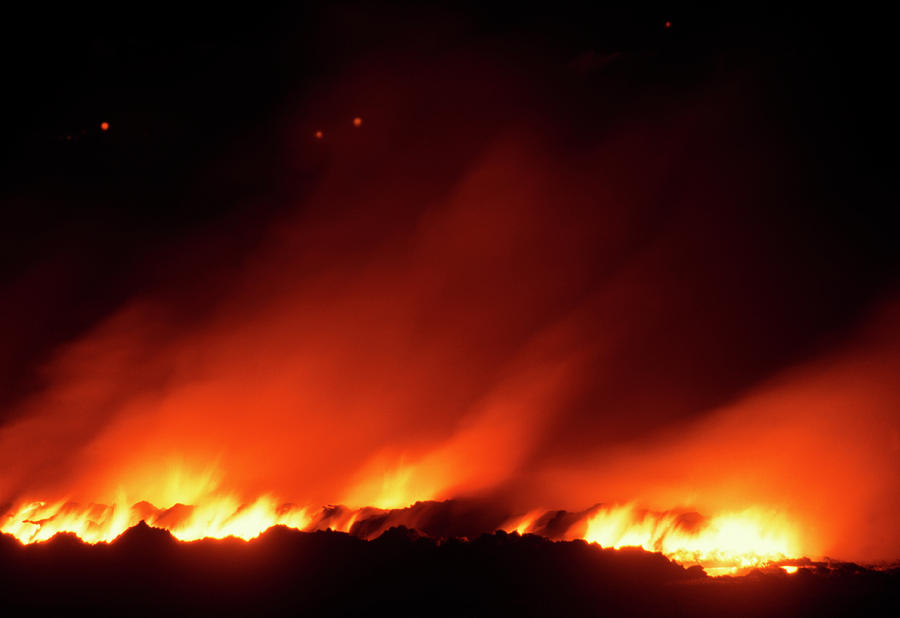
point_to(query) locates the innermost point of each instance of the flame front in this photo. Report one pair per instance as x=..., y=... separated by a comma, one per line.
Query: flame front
x=723, y=544
x=221, y=517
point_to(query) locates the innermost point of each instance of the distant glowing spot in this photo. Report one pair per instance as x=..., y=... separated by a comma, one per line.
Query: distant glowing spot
x=319, y=135
x=790, y=570
x=668, y=24
x=104, y=126
x=357, y=122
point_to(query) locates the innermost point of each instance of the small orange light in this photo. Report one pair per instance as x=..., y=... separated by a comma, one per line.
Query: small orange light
x=357, y=122
x=319, y=135
x=668, y=24
x=104, y=126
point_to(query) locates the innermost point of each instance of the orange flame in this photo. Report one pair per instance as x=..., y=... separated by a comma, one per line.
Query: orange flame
x=221, y=517
x=724, y=544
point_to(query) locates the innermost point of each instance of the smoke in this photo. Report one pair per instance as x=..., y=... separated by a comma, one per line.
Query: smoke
x=528, y=281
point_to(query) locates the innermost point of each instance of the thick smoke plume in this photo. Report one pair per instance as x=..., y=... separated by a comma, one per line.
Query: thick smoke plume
x=599, y=279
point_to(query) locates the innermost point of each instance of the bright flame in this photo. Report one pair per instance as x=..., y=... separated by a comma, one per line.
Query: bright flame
x=219, y=517
x=722, y=544
x=725, y=544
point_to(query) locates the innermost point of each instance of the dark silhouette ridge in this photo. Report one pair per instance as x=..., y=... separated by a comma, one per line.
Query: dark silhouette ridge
x=405, y=572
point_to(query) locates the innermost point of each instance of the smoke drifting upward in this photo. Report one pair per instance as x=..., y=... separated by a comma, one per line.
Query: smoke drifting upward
x=536, y=282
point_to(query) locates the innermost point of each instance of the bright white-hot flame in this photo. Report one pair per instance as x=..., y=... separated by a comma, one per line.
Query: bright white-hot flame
x=728, y=541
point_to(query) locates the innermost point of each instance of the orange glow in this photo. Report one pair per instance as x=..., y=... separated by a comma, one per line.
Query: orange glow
x=104, y=126
x=319, y=135
x=668, y=24
x=357, y=122
x=523, y=524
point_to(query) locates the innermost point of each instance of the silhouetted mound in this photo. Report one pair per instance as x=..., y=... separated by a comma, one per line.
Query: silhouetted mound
x=402, y=572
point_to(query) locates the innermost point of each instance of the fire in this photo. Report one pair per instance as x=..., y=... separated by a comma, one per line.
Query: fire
x=724, y=543
x=220, y=517
x=470, y=309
